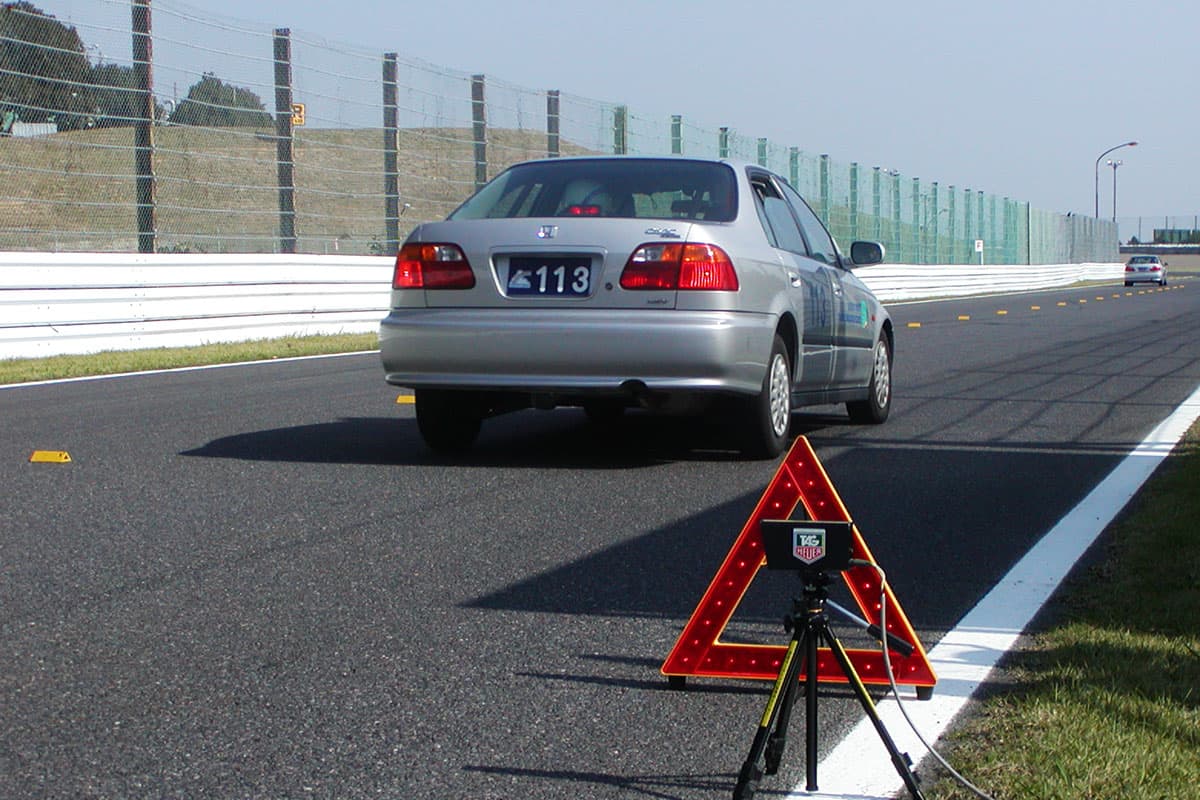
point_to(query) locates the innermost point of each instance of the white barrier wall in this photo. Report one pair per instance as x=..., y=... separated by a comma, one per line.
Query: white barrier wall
x=53, y=304
x=84, y=303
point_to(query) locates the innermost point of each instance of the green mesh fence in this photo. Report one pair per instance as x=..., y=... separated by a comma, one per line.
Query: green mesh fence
x=265, y=139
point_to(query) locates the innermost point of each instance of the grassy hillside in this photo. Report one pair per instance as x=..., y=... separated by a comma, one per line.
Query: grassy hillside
x=217, y=188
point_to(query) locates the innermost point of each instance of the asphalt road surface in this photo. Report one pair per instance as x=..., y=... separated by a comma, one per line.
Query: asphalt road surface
x=255, y=582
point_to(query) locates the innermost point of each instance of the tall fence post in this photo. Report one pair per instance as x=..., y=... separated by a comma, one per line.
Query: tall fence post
x=143, y=130
x=552, y=123
x=950, y=234
x=479, y=129
x=620, y=130
x=968, y=232
x=676, y=135
x=933, y=225
x=897, y=216
x=979, y=212
x=284, y=163
x=794, y=167
x=391, y=153
x=918, y=233
x=825, y=188
x=853, y=200
x=723, y=143
x=876, y=205
x=762, y=152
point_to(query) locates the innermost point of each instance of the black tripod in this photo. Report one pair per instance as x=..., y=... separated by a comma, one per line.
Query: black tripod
x=809, y=627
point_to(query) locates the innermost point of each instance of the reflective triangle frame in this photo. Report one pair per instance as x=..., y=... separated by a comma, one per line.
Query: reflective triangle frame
x=800, y=479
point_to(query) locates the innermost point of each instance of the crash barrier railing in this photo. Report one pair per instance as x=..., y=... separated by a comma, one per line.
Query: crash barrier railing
x=229, y=136
x=53, y=304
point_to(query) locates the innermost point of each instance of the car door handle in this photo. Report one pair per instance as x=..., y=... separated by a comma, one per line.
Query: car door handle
x=795, y=279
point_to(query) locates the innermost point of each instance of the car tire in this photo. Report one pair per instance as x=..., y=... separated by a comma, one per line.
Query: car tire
x=449, y=421
x=768, y=415
x=878, y=404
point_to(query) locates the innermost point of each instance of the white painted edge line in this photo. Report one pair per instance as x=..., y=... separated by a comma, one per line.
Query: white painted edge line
x=199, y=368
x=859, y=767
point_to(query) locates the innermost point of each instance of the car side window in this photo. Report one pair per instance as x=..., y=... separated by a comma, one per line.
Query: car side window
x=779, y=223
x=819, y=241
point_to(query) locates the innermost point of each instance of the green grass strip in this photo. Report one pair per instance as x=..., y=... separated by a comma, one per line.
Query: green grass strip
x=111, y=362
x=1104, y=701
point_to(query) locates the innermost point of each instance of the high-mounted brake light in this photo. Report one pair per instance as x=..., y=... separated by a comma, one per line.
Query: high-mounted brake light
x=692, y=267
x=432, y=266
x=583, y=211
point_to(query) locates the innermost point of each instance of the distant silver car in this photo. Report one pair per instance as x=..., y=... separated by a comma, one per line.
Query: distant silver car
x=670, y=283
x=1145, y=269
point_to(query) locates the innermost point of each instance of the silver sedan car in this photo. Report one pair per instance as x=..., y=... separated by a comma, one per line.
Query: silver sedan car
x=1145, y=269
x=669, y=283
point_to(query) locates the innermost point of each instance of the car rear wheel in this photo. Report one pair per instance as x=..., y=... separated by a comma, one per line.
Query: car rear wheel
x=768, y=415
x=449, y=421
x=878, y=405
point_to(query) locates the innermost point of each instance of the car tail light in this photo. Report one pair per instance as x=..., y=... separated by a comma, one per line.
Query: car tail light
x=1155, y=268
x=432, y=266
x=698, y=267
x=1129, y=268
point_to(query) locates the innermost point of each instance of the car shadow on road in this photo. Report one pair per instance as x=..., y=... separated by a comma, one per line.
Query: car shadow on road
x=528, y=439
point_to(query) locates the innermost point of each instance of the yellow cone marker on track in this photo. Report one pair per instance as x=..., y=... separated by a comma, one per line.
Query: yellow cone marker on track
x=50, y=457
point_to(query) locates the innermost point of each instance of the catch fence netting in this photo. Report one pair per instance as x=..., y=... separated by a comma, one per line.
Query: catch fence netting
x=230, y=136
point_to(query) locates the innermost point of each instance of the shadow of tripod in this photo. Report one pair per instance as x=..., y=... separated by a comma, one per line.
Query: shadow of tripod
x=809, y=625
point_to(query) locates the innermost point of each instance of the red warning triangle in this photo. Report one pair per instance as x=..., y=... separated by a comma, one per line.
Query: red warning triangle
x=699, y=651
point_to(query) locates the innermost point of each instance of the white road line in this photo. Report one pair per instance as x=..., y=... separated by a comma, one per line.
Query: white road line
x=859, y=768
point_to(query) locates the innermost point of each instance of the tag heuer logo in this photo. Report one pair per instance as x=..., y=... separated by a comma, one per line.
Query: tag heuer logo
x=547, y=231
x=808, y=544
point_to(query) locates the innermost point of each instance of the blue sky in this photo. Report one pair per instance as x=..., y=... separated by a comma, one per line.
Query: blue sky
x=1015, y=98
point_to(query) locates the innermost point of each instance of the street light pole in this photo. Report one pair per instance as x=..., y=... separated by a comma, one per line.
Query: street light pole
x=1098, y=159
x=1114, y=164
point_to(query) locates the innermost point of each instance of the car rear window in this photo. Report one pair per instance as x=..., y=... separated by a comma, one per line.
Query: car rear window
x=639, y=188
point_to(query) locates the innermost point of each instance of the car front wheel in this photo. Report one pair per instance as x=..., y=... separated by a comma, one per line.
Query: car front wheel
x=768, y=415
x=449, y=421
x=878, y=405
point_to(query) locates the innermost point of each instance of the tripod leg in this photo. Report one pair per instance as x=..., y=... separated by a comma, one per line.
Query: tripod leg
x=778, y=738
x=782, y=694
x=810, y=699
x=900, y=761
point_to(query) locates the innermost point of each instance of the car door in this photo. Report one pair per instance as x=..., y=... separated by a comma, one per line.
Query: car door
x=853, y=329
x=808, y=282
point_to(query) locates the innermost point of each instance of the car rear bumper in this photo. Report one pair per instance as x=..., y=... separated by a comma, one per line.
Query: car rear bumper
x=574, y=352
x=1144, y=277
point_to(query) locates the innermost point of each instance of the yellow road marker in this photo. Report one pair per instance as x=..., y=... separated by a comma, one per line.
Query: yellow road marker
x=1062, y=303
x=405, y=400
x=1035, y=308
x=1001, y=313
x=50, y=457
x=914, y=324
x=1082, y=301
x=964, y=317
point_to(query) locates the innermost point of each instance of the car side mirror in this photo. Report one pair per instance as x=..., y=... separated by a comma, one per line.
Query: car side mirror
x=864, y=254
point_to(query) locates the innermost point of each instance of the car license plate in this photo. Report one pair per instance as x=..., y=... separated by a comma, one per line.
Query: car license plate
x=567, y=276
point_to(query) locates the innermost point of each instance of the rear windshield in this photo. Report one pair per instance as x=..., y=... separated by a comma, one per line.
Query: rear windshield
x=638, y=188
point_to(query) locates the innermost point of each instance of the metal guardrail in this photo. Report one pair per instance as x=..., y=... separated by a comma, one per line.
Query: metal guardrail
x=52, y=304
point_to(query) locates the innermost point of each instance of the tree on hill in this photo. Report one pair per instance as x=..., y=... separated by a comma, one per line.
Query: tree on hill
x=213, y=103
x=45, y=75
